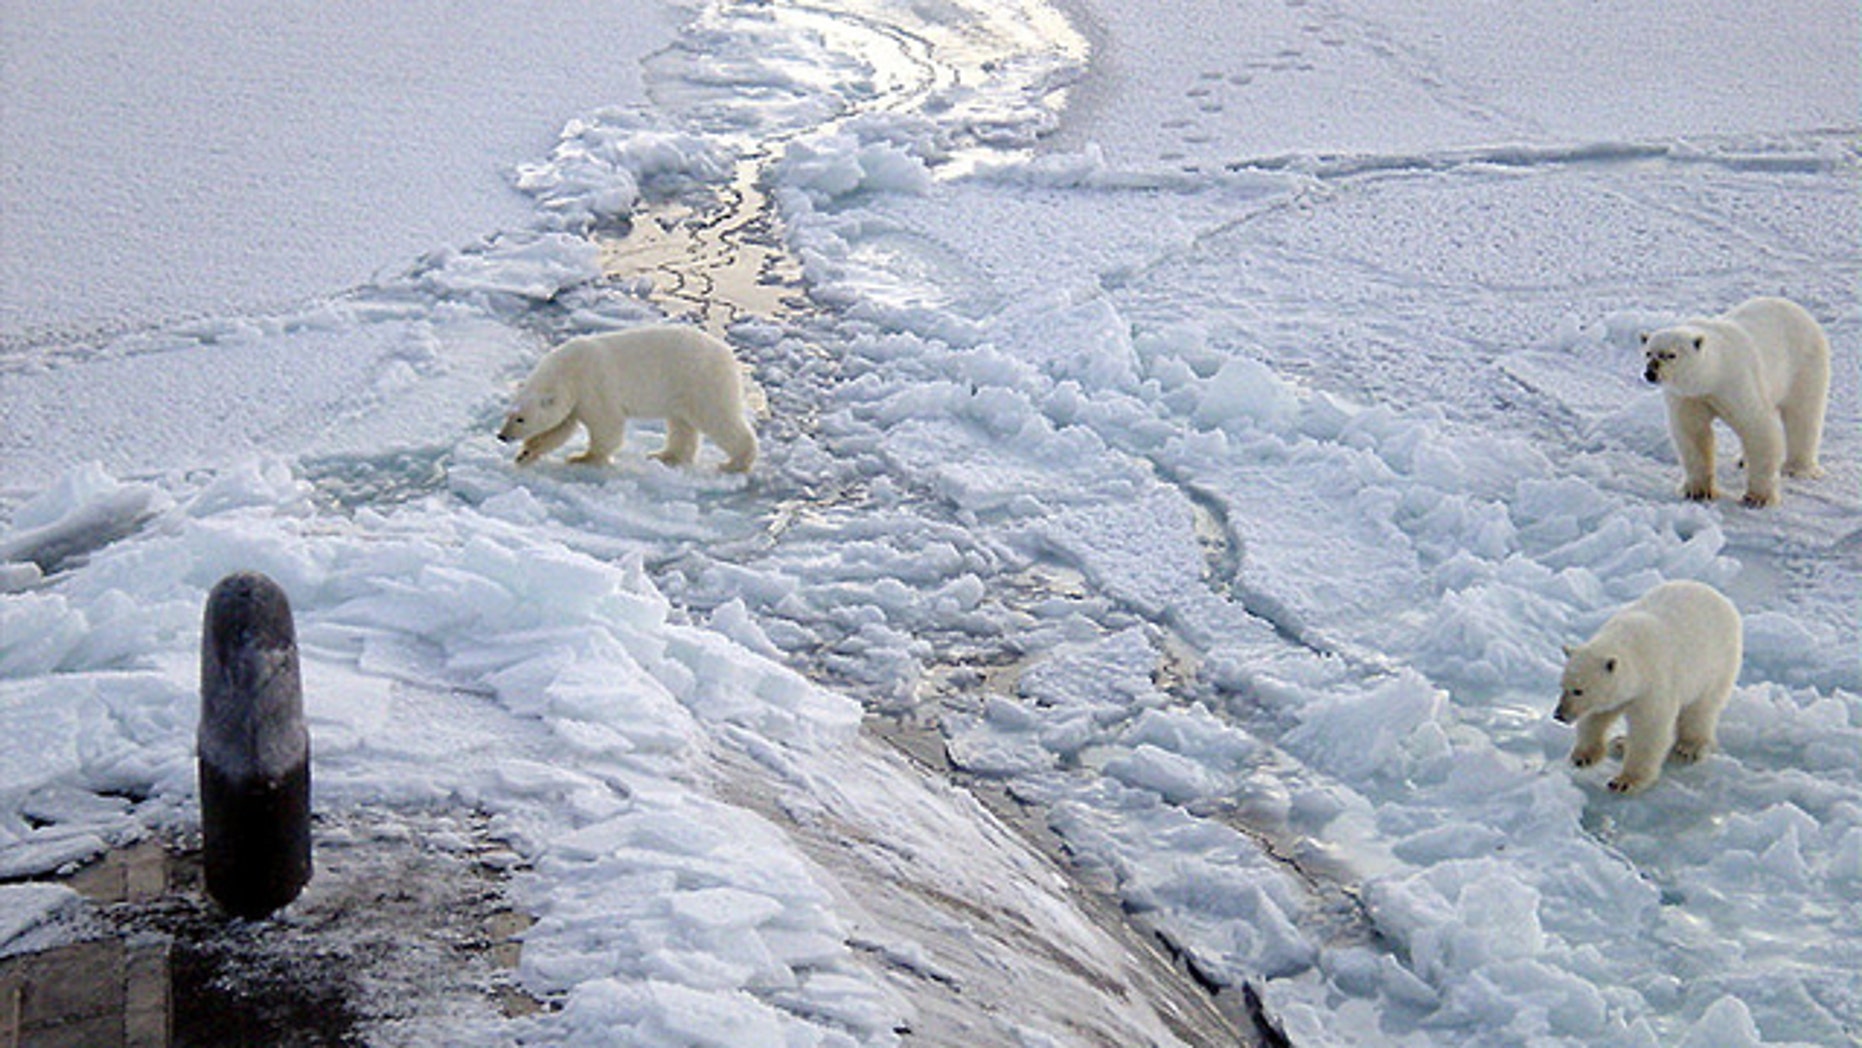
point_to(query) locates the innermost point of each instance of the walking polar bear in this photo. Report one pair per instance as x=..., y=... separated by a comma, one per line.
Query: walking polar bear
x=674, y=372
x=1763, y=368
x=1666, y=663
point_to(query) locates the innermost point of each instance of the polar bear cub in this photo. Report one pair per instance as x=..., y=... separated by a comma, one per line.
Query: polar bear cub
x=1666, y=663
x=674, y=372
x=1762, y=367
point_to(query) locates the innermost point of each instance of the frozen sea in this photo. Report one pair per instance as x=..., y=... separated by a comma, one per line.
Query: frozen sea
x=1189, y=434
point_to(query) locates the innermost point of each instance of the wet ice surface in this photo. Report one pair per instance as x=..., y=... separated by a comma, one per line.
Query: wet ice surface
x=406, y=936
x=1206, y=488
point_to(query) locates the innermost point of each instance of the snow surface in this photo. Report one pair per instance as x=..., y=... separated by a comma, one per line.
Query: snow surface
x=227, y=158
x=1210, y=425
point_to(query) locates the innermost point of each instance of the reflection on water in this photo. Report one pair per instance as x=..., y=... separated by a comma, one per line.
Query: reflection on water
x=718, y=264
x=990, y=76
x=101, y=993
x=111, y=991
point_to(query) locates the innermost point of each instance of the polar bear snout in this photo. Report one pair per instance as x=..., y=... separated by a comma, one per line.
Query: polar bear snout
x=1561, y=715
x=1665, y=351
x=1652, y=368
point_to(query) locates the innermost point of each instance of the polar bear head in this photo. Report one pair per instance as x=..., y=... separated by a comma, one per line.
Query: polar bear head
x=540, y=406
x=1680, y=359
x=1596, y=678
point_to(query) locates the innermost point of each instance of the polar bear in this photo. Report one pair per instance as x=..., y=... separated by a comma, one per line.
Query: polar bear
x=1762, y=367
x=674, y=372
x=1667, y=663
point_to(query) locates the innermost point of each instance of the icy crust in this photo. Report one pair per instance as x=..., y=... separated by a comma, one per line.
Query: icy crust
x=975, y=77
x=1378, y=617
x=457, y=657
x=1233, y=518
x=179, y=194
x=434, y=645
x=396, y=371
x=603, y=163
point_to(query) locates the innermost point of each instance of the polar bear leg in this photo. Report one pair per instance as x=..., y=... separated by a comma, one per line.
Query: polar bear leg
x=1804, y=404
x=1803, y=430
x=1698, y=727
x=603, y=442
x=1651, y=737
x=738, y=441
x=1761, y=434
x=547, y=441
x=1593, y=736
x=1694, y=735
x=681, y=443
x=1690, y=425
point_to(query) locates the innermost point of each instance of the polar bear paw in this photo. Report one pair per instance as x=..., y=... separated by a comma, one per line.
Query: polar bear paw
x=1759, y=499
x=1585, y=756
x=1625, y=783
x=1699, y=492
x=1687, y=751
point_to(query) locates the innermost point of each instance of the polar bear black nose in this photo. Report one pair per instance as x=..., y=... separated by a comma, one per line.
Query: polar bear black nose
x=1652, y=374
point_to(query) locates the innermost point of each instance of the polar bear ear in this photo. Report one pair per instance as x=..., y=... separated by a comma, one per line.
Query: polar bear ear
x=1568, y=650
x=1644, y=337
x=1699, y=341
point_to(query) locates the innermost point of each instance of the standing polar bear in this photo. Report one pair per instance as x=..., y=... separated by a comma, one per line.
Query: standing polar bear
x=1764, y=368
x=674, y=372
x=1666, y=663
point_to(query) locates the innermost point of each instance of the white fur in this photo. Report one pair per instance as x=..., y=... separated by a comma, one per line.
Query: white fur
x=674, y=372
x=1666, y=663
x=1763, y=368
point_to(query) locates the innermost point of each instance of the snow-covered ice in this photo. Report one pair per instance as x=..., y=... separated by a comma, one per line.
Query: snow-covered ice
x=229, y=158
x=1203, y=430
